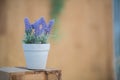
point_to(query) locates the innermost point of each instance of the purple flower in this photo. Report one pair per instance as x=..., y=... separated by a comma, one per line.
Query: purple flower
x=49, y=27
x=37, y=32
x=37, y=27
x=27, y=24
x=44, y=25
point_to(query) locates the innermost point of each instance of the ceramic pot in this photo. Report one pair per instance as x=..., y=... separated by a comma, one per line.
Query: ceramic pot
x=36, y=55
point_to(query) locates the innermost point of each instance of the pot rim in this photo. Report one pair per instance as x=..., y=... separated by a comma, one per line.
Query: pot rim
x=36, y=47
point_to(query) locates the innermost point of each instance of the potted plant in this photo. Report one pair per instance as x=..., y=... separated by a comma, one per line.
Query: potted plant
x=36, y=46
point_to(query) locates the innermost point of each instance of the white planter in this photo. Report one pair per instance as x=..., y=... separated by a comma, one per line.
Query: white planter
x=36, y=55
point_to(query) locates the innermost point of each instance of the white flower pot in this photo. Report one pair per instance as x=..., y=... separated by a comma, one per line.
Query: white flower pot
x=36, y=55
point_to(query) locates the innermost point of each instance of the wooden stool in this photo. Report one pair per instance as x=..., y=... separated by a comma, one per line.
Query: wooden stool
x=20, y=73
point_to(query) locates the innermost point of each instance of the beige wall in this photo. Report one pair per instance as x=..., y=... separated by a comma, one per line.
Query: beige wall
x=84, y=51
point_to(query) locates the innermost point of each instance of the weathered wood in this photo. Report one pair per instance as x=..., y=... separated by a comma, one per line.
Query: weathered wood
x=13, y=73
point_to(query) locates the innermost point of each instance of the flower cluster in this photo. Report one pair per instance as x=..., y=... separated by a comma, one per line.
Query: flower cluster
x=38, y=32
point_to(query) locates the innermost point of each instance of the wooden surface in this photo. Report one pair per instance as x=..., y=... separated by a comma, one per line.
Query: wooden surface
x=12, y=73
x=85, y=49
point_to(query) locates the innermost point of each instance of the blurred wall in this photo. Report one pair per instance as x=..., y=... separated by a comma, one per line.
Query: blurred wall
x=84, y=51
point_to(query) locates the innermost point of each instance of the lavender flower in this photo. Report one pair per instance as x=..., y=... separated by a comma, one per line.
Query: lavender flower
x=43, y=22
x=37, y=27
x=49, y=27
x=27, y=24
x=38, y=32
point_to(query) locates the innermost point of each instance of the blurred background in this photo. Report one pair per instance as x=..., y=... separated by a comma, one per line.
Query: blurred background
x=84, y=50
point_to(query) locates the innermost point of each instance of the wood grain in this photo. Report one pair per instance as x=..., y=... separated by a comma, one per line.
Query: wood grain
x=12, y=73
x=2, y=17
